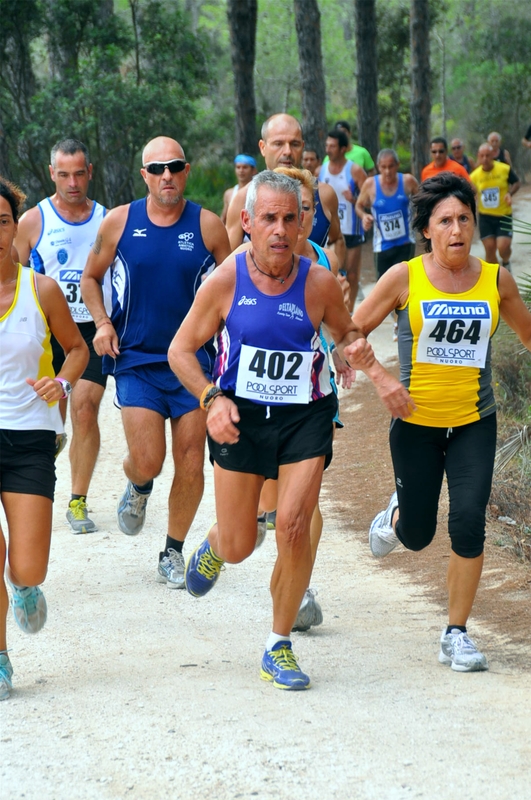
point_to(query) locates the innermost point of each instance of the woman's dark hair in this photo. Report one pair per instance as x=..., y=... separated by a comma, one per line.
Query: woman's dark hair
x=432, y=192
x=14, y=196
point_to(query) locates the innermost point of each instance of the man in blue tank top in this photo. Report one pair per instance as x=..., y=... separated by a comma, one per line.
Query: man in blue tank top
x=282, y=145
x=55, y=238
x=384, y=203
x=160, y=249
x=270, y=411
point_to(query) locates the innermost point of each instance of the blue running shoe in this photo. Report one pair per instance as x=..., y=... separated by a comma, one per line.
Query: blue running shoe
x=202, y=570
x=6, y=673
x=29, y=608
x=279, y=665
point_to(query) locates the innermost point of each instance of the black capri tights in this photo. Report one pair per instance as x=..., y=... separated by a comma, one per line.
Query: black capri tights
x=421, y=455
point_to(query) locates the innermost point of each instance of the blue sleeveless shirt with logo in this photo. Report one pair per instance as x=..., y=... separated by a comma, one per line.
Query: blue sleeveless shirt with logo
x=269, y=351
x=392, y=217
x=155, y=276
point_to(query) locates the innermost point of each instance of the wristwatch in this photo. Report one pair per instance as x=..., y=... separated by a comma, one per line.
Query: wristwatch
x=67, y=387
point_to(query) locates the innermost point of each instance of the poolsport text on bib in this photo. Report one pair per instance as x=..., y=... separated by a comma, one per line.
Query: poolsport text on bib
x=274, y=376
x=454, y=333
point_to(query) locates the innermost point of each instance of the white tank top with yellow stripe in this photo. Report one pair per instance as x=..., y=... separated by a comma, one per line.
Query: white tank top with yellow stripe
x=444, y=348
x=25, y=352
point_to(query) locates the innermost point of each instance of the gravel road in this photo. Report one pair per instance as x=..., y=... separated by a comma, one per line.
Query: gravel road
x=135, y=691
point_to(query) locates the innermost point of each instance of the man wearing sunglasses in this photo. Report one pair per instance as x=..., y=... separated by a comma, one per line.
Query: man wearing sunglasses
x=441, y=162
x=160, y=249
x=282, y=145
x=458, y=154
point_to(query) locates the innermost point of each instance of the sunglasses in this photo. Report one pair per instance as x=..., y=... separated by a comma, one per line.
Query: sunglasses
x=438, y=151
x=158, y=167
x=457, y=147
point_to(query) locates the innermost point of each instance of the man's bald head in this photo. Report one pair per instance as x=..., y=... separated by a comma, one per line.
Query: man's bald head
x=282, y=144
x=162, y=148
x=281, y=120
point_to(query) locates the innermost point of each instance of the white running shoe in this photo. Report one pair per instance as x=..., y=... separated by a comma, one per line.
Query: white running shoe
x=132, y=510
x=382, y=538
x=310, y=612
x=261, y=530
x=171, y=569
x=459, y=651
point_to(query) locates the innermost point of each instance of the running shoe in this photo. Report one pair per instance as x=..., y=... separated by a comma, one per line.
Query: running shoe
x=279, y=665
x=60, y=443
x=6, y=673
x=459, y=651
x=202, y=570
x=271, y=520
x=29, y=608
x=395, y=332
x=261, y=530
x=310, y=612
x=132, y=510
x=382, y=538
x=171, y=569
x=78, y=518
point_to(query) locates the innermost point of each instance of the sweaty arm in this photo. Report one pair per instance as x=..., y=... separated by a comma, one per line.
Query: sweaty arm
x=364, y=201
x=390, y=292
x=214, y=236
x=234, y=224
x=513, y=310
x=100, y=258
x=67, y=333
x=205, y=317
x=28, y=233
x=329, y=201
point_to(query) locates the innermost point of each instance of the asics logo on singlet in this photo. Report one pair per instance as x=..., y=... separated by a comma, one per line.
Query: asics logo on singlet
x=55, y=230
x=442, y=310
x=247, y=301
x=290, y=310
x=140, y=232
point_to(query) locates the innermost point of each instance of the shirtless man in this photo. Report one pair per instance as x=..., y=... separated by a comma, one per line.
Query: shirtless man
x=282, y=145
x=245, y=168
x=55, y=238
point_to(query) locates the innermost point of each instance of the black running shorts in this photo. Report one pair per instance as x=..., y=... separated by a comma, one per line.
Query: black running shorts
x=27, y=462
x=93, y=371
x=271, y=436
x=489, y=225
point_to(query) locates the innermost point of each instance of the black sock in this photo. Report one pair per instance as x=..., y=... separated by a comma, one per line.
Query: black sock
x=175, y=544
x=451, y=628
x=145, y=489
x=79, y=497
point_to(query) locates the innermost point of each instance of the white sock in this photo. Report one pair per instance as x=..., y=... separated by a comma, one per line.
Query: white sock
x=274, y=638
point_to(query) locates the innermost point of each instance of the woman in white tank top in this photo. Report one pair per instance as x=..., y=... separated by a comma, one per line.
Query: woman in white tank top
x=31, y=308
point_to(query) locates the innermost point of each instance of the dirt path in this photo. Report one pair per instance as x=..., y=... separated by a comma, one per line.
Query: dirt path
x=135, y=691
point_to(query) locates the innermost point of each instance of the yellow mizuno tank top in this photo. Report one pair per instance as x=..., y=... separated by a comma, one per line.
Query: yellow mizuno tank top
x=444, y=348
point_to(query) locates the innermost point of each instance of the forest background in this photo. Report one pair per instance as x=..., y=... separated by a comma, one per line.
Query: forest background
x=116, y=73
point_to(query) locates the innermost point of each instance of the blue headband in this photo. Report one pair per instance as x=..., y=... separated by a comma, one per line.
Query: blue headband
x=243, y=159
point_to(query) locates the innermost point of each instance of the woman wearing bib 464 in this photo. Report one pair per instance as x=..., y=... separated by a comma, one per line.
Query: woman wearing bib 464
x=448, y=304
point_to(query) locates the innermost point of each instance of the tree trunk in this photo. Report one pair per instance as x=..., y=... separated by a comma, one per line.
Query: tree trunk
x=308, y=26
x=420, y=85
x=242, y=15
x=367, y=75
